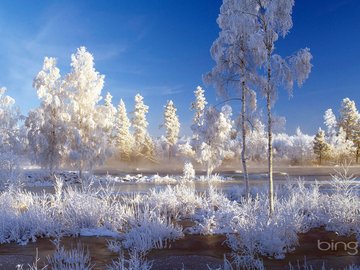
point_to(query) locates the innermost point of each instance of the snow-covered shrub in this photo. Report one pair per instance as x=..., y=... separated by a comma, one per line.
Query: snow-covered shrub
x=149, y=229
x=82, y=210
x=188, y=172
x=344, y=204
x=135, y=262
x=73, y=259
x=177, y=201
x=24, y=216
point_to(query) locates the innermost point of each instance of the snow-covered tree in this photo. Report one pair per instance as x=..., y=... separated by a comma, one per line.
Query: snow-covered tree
x=273, y=19
x=11, y=137
x=349, y=121
x=124, y=140
x=214, y=136
x=108, y=114
x=199, y=107
x=143, y=143
x=256, y=141
x=185, y=150
x=172, y=125
x=188, y=171
x=341, y=149
x=349, y=117
x=302, y=148
x=320, y=146
x=48, y=124
x=237, y=59
x=88, y=140
x=330, y=123
x=356, y=141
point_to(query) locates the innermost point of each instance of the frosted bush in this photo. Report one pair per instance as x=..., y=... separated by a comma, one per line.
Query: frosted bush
x=135, y=262
x=73, y=259
x=188, y=172
x=150, y=230
x=177, y=201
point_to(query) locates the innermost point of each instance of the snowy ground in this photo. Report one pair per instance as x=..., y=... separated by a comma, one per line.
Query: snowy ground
x=139, y=222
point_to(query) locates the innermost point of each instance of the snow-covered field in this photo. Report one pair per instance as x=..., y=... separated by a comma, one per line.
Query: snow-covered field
x=140, y=222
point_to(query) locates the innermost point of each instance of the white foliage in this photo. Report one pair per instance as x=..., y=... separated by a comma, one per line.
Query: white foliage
x=171, y=123
x=12, y=140
x=257, y=142
x=330, y=122
x=88, y=138
x=349, y=118
x=188, y=172
x=198, y=106
x=124, y=141
x=135, y=262
x=48, y=124
x=139, y=121
x=143, y=143
x=341, y=149
x=214, y=136
x=107, y=112
x=73, y=259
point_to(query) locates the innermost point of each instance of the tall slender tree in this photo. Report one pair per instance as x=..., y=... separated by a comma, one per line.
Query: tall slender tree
x=143, y=143
x=237, y=59
x=107, y=114
x=330, y=123
x=199, y=107
x=172, y=125
x=320, y=146
x=124, y=140
x=273, y=19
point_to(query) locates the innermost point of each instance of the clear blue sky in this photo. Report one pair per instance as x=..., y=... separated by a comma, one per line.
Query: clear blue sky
x=161, y=49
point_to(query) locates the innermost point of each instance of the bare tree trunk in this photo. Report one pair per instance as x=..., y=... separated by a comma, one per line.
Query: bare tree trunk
x=81, y=171
x=243, y=151
x=270, y=148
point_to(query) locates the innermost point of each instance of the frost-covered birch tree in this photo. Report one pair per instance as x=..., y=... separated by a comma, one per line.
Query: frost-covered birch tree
x=124, y=140
x=88, y=140
x=172, y=125
x=273, y=19
x=48, y=124
x=237, y=58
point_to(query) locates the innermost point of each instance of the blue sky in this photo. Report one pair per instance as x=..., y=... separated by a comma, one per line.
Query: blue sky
x=160, y=48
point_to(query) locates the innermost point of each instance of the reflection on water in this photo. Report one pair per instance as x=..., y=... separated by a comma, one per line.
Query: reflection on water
x=194, y=251
x=256, y=180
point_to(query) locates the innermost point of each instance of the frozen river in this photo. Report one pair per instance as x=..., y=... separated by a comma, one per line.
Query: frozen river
x=234, y=182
